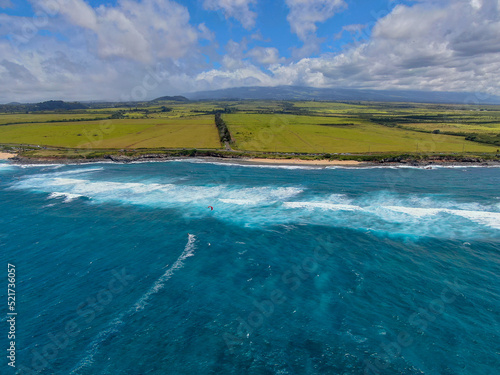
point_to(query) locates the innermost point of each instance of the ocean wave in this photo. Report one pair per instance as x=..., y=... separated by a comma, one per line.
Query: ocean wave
x=491, y=219
x=419, y=167
x=322, y=206
x=270, y=205
x=239, y=202
x=29, y=166
x=462, y=166
x=363, y=167
x=68, y=197
x=5, y=167
x=244, y=164
x=421, y=214
x=282, y=166
x=158, y=194
x=76, y=171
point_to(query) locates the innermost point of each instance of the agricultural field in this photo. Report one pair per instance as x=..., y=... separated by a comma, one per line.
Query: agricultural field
x=187, y=132
x=263, y=126
x=316, y=134
x=162, y=110
x=456, y=127
x=19, y=118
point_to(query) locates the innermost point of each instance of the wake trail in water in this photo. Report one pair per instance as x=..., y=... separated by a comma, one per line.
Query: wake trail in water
x=179, y=263
x=140, y=304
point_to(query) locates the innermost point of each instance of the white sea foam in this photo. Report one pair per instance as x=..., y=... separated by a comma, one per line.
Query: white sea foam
x=55, y=166
x=379, y=210
x=60, y=181
x=491, y=219
x=6, y=166
x=462, y=166
x=338, y=199
x=245, y=165
x=68, y=197
x=240, y=202
x=415, y=211
x=323, y=206
x=363, y=167
x=73, y=172
x=160, y=283
x=164, y=195
x=471, y=211
x=278, y=166
x=116, y=323
x=259, y=194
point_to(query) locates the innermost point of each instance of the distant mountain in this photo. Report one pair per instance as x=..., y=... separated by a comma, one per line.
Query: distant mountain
x=341, y=94
x=51, y=105
x=171, y=98
x=56, y=105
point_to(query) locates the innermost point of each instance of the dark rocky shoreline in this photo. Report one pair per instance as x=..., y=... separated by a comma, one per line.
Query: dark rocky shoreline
x=123, y=159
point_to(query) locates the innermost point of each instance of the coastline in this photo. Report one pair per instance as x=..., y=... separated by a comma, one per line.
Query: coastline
x=6, y=155
x=252, y=161
x=350, y=163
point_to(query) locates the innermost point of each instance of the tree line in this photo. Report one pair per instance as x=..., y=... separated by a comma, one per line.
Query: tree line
x=224, y=134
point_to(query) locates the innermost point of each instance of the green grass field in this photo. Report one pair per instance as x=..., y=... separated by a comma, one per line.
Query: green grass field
x=266, y=126
x=8, y=118
x=457, y=127
x=186, y=132
x=315, y=134
x=194, y=132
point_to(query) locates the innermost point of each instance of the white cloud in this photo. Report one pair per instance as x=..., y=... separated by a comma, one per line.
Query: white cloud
x=78, y=12
x=427, y=46
x=451, y=46
x=112, y=51
x=265, y=55
x=354, y=29
x=206, y=33
x=246, y=75
x=237, y=9
x=305, y=14
x=138, y=30
x=106, y=53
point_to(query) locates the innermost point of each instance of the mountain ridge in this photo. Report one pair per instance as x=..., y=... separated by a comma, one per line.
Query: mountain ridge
x=341, y=94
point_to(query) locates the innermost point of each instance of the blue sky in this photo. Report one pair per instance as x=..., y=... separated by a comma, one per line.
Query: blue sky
x=108, y=49
x=271, y=22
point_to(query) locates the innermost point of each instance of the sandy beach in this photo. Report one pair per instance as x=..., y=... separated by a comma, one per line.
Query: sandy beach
x=5, y=155
x=305, y=162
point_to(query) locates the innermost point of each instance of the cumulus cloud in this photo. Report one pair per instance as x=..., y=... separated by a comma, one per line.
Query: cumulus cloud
x=17, y=72
x=265, y=55
x=425, y=46
x=237, y=9
x=450, y=46
x=150, y=48
x=138, y=30
x=206, y=33
x=105, y=53
x=354, y=29
x=244, y=75
x=305, y=14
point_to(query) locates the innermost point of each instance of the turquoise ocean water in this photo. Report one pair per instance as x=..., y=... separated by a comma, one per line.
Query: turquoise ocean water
x=126, y=269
